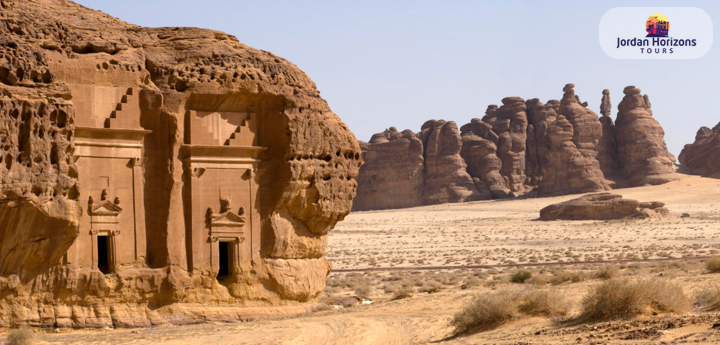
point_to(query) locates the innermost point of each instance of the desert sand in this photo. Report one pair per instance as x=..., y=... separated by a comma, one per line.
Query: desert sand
x=374, y=253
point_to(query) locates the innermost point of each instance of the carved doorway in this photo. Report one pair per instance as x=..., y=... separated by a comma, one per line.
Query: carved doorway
x=105, y=257
x=226, y=262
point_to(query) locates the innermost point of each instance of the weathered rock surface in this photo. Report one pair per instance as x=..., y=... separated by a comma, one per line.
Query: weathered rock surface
x=395, y=175
x=702, y=157
x=479, y=148
x=446, y=179
x=642, y=153
x=510, y=123
x=527, y=147
x=603, y=206
x=62, y=64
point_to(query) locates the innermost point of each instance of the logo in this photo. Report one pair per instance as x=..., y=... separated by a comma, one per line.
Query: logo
x=657, y=26
x=621, y=37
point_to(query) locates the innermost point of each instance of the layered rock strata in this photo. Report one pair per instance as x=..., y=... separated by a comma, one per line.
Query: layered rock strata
x=527, y=148
x=145, y=167
x=603, y=206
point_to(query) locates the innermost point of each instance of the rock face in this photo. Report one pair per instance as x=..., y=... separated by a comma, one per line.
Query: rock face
x=146, y=166
x=479, y=150
x=642, y=153
x=702, y=157
x=603, y=206
x=522, y=147
x=446, y=179
x=395, y=176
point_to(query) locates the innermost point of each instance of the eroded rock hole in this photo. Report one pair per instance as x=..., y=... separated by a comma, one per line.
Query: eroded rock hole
x=61, y=120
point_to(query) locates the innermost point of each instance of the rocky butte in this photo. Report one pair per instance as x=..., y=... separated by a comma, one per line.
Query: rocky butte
x=702, y=157
x=519, y=148
x=152, y=175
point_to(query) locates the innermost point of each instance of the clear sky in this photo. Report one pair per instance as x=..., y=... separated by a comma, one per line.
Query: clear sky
x=399, y=63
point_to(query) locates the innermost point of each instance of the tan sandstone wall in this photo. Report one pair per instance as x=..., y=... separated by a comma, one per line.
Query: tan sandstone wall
x=61, y=62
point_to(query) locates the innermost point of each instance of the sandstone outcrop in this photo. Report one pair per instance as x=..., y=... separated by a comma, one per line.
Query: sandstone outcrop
x=642, y=153
x=395, y=175
x=509, y=122
x=603, y=206
x=141, y=167
x=702, y=157
x=523, y=147
x=479, y=148
x=607, y=147
x=446, y=179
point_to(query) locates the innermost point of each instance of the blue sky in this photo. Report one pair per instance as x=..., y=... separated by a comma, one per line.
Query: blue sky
x=381, y=64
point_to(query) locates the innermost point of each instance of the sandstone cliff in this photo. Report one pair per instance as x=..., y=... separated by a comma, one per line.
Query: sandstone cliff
x=702, y=157
x=527, y=147
x=62, y=64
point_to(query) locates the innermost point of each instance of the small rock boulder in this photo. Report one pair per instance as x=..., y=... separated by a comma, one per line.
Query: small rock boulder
x=603, y=206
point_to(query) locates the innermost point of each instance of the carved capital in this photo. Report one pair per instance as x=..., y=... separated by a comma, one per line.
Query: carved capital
x=94, y=232
x=214, y=239
x=115, y=232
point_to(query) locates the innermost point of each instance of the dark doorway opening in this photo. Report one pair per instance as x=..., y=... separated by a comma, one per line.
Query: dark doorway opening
x=225, y=260
x=103, y=246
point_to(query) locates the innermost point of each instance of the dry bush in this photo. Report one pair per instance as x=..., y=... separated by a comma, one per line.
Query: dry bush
x=363, y=290
x=713, y=264
x=563, y=276
x=520, y=277
x=607, y=272
x=544, y=303
x=501, y=306
x=486, y=311
x=540, y=279
x=621, y=298
x=431, y=287
x=471, y=282
x=708, y=299
x=403, y=292
x=21, y=336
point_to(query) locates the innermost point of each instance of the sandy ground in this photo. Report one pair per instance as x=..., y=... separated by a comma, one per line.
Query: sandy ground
x=482, y=233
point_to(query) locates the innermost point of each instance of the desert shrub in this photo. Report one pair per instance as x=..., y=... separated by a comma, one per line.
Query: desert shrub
x=520, y=277
x=544, y=303
x=501, y=306
x=403, y=292
x=539, y=279
x=485, y=311
x=471, y=282
x=363, y=290
x=21, y=336
x=431, y=287
x=607, y=272
x=713, y=264
x=708, y=299
x=621, y=298
x=563, y=276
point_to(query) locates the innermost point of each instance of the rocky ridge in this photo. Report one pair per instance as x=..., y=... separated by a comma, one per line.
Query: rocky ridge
x=522, y=148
